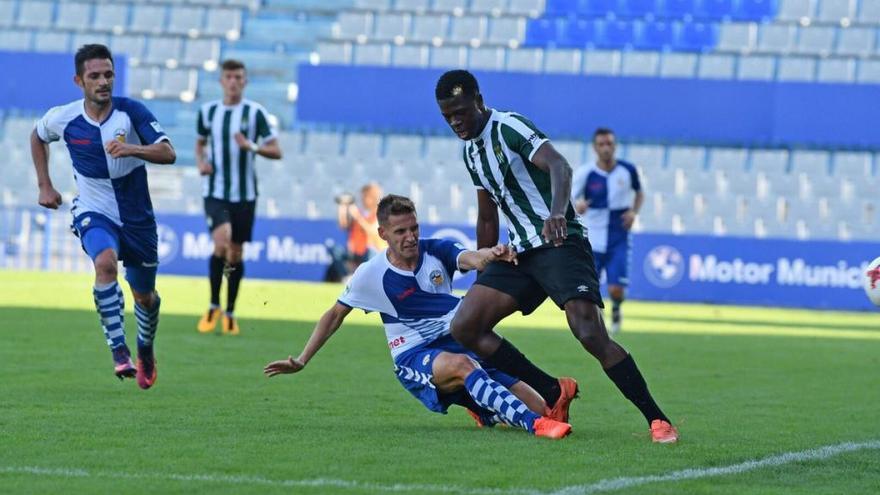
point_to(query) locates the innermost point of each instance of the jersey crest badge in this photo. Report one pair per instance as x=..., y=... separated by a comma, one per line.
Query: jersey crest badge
x=119, y=135
x=437, y=278
x=498, y=153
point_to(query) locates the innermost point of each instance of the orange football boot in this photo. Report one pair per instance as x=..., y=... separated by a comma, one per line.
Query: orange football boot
x=663, y=432
x=550, y=428
x=568, y=391
x=209, y=321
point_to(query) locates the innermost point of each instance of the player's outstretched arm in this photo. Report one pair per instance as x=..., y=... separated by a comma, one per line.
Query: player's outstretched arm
x=477, y=260
x=161, y=153
x=324, y=329
x=49, y=197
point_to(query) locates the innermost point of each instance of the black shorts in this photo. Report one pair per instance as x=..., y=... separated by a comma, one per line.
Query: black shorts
x=239, y=215
x=562, y=273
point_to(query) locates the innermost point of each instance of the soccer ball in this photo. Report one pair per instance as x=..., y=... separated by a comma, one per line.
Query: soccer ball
x=872, y=282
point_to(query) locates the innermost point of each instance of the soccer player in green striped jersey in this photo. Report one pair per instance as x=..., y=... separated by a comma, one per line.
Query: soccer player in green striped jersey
x=516, y=169
x=229, y=132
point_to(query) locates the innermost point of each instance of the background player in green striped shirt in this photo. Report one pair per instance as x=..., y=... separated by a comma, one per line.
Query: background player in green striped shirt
x=229, y=130
x=516, y=169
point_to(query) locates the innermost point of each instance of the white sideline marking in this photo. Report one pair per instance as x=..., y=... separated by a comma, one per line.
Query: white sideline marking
x=816, y=454
x=606, y=485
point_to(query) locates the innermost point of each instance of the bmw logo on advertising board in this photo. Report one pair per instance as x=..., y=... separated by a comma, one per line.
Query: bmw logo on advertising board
x=664, y=266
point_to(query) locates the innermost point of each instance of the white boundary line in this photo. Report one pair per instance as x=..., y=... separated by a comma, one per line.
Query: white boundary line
x=816, y=454
x=606, y=485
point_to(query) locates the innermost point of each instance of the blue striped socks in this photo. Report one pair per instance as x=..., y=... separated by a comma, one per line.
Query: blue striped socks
x=147, y=322
x=497, y=398
x=110, y=305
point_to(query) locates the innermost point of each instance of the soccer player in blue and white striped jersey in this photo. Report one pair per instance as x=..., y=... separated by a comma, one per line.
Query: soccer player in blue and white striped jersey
x=607, y=193
x=109, y=139
x=410, y=286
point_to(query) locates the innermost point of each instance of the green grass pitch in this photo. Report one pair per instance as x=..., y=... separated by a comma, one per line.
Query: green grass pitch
x=742, y=384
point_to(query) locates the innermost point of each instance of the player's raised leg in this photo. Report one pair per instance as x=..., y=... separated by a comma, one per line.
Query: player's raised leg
x=452, y=371
x=473, y=325
x=100, y=241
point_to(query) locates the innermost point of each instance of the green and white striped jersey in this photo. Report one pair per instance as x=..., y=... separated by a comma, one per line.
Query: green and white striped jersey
x=499, y=161
x=234, y=178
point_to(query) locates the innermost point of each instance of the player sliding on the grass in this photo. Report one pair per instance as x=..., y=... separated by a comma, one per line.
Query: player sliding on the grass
x=109, y=139
x=410, y=286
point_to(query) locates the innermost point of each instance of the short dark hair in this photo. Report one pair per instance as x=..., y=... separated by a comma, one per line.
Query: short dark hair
x=90, y=52
x=232, y=64
x=393, y=204
x=456, y=82
x=602, y=131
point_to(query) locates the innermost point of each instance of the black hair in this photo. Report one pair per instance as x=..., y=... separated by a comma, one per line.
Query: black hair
x=90, y=52
x=394, y=204
x=232, y=64
x=456, y=82
x=602, y=131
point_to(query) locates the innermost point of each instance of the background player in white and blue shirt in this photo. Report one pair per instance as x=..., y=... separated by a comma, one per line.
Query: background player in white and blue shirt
x=109, y=139
x=410, y=286
x=608, y=195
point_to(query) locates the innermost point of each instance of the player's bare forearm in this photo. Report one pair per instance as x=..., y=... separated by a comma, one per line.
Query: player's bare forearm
x=161, y=153
x=270, y=150
x=637, y=204
x=324, y=329
x=487, y=220
x=477, y=260
x=40, y=157
x=560, y=185
x=549, y=160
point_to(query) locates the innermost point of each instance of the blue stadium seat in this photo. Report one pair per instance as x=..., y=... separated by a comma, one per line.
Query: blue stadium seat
x=598, y=8
x=541, y=32
x=617, y=34
x=655, y=35
x=697, y=36
x=579, y=33
x=638, y=8
x=559, y=8
x=678, y=9
x=714, y=9
x=755, y=10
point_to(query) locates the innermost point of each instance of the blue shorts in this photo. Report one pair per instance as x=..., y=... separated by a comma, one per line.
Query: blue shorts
x=414, y=370
x=135, y=246
x=615, y=262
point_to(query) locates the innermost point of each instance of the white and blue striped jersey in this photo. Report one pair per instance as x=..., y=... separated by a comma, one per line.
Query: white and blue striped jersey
x=416, y=307
x=114, y=187
x=609, y=194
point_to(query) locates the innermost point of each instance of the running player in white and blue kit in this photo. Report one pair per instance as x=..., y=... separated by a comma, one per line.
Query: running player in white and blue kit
x=410, y=286
x=608, y=195
x=109, y=139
